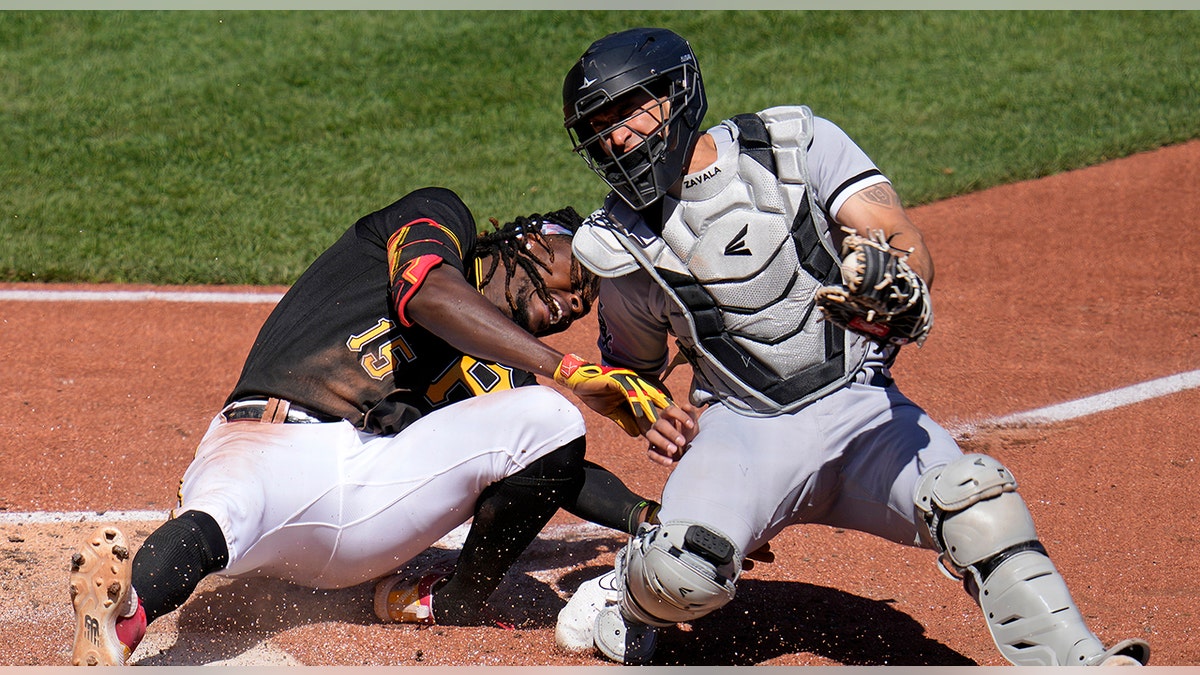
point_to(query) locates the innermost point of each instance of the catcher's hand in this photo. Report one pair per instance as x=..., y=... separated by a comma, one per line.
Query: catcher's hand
x=882, y=297
x=617, y=393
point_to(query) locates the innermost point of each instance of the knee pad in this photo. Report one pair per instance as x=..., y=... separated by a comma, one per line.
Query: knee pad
x=986, y=536
x=972, y=511
x=677, y=571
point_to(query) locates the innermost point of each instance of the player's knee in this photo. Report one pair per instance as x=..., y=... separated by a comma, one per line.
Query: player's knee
x=973, y=513
x=558, y=473
x=676, y=572
x=545, y=409
x=548, y=402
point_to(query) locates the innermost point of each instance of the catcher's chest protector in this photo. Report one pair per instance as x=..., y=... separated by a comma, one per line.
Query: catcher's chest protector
x=743, y=253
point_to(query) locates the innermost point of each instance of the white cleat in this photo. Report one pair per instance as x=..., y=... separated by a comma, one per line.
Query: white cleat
x=622, y=641
x=1131, y=652
x=100, y=594
x=574, y=630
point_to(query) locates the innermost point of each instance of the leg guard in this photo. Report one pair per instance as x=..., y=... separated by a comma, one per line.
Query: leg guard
x=676, y=572
x=986, y=536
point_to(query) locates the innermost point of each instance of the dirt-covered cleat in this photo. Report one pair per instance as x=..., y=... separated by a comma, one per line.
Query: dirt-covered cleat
x=407, y=599
x=101, y=595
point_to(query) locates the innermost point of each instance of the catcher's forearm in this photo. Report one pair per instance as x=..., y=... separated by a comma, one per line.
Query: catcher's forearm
x=910, y=239
x=878, y=207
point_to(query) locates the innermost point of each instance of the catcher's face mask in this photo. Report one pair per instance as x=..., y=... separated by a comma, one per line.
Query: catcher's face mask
x=639, y=65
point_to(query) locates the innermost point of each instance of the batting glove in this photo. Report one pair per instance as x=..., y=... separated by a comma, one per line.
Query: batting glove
x=617, y=393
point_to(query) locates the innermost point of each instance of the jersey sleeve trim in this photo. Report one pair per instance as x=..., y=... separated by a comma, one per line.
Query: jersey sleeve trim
x=422, y=233
x=847, y=189
x=408, y=280
x=414, y=249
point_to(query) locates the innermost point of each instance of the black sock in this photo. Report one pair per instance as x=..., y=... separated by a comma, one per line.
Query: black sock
x=174, y=559
x=605, y=500
x=508, y=516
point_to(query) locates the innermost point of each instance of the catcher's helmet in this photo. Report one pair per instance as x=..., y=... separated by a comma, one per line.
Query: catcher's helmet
x=656, y=63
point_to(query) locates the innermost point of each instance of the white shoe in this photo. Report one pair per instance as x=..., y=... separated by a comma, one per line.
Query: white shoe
x=1131, y=652
x=623, y=641
x=574, y=630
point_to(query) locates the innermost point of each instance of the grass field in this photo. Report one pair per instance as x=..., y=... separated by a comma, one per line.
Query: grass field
x=233, y=146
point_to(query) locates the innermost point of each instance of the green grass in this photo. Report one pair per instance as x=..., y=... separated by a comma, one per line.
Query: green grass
x=232, y=147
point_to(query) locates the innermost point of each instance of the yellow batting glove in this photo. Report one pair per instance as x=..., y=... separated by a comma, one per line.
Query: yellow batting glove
x=617, y=393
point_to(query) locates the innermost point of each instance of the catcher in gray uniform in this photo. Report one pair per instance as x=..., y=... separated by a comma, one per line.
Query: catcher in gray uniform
x=781, y=259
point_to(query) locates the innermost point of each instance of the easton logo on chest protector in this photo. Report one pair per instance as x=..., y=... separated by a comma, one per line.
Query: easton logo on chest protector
x=737, y=245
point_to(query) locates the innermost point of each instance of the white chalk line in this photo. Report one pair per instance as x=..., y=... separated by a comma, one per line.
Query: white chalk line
x=1089, y=405
x=1116, y=398
x=17, y=295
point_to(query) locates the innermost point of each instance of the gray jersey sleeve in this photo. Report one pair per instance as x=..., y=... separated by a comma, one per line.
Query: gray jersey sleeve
x=634, y=316
x=838, y=167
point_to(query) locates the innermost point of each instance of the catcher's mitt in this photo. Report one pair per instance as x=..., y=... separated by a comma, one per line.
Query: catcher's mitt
x=882, y=297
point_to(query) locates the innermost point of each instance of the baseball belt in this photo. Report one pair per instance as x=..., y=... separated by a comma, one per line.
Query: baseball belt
x=274, y=411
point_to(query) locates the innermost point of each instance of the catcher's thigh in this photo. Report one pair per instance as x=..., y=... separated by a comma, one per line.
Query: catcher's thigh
x=327, y=506
x=851, y=459
x=985, y=533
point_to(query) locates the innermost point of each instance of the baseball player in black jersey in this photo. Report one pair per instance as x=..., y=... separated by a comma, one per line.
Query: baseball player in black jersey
x=780, y=258
x=359, y=434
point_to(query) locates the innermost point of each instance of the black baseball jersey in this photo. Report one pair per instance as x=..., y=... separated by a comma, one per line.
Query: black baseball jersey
x=339, y=342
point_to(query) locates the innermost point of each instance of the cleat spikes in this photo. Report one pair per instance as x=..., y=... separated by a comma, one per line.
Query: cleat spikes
x=100, y=587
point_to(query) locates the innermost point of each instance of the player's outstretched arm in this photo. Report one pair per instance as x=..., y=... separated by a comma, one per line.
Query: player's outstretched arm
x=452, y=309
x=449, y=307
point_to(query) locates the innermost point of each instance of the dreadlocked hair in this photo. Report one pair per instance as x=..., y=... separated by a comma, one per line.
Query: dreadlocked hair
x=508, y=244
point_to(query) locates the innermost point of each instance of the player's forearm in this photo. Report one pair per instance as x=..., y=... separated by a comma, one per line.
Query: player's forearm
x=878, y=208
x=906, y=237
x=458, y=314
